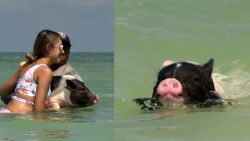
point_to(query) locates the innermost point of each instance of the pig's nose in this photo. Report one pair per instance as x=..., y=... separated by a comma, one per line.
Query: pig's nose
x=173, y=83
x=96, y=99
x=169, y=86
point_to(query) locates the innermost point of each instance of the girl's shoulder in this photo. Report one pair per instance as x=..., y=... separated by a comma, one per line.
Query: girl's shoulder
x=32, y=68
x=43, y=69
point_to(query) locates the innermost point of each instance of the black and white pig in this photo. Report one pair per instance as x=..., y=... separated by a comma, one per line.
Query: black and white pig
x=185, y=83
x=69, y=90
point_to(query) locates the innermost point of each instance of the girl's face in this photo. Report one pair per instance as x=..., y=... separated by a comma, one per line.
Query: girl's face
x=56, y=51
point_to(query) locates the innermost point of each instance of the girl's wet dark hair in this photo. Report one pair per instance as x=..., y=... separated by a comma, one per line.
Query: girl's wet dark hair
x=43, y=39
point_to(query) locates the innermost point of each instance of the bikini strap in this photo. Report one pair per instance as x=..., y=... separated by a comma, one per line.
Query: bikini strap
x=34, y=68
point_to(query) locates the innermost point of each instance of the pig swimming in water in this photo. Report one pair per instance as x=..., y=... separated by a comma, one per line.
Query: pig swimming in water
x=184, y=83
x=68, y=91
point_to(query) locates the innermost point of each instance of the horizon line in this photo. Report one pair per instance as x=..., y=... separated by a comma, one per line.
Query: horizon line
x=70, y=52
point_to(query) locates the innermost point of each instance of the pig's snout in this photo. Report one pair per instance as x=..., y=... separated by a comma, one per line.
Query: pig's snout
x=96, y=99
x=169, y=86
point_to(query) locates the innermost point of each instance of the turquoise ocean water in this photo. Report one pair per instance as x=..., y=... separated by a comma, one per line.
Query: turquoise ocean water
x=148, y=32
x=90, y=124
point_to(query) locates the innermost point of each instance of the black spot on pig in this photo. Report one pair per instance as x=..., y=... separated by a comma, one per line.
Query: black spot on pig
x=55, y=82
x=80, y=94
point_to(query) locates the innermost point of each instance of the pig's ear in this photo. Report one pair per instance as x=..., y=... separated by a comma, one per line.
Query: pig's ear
x=208, y=67
x=75, y=84
x=167, y=63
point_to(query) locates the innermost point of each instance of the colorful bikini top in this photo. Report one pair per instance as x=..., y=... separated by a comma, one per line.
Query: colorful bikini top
x=26, y=84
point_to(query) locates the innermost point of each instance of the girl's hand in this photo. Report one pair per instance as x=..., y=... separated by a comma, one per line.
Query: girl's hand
x=52, y=106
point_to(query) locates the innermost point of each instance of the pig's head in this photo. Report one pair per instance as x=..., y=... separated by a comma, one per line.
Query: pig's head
x=185, y=82
x=80, y=95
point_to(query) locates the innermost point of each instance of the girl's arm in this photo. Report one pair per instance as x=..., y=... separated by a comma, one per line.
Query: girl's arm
x=43, y=75
x=9, y=86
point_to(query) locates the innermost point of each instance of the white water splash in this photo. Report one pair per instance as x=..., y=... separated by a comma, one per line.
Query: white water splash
x=236, y=84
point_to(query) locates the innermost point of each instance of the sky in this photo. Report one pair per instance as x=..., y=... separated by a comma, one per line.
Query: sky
x=89, y=23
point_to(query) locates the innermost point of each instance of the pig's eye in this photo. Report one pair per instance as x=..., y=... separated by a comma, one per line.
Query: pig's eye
x=196, y=78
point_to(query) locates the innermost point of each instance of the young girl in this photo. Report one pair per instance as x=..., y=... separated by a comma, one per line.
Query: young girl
x=31, y=83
